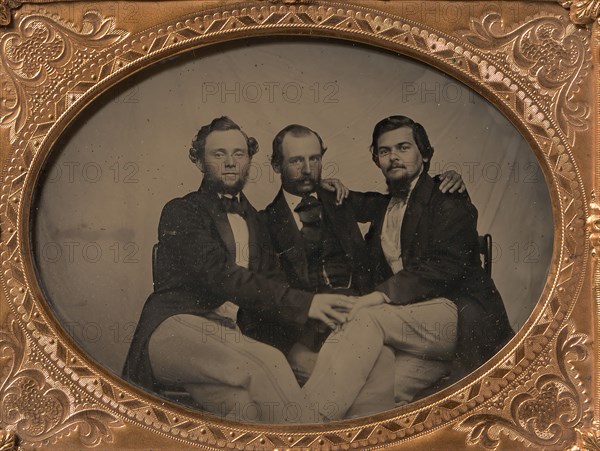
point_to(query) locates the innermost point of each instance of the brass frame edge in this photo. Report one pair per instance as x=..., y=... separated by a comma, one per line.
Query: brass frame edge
x=587, y=438
x=6, y=11
x=582, y=12
x=8, y=441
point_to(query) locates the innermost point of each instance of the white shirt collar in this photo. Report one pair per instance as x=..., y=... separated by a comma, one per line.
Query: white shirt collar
x=230, y=196
x=291, y=199
x=414, y=182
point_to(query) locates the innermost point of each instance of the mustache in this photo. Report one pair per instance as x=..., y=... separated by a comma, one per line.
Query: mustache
x=304, y=178
x=397, y=166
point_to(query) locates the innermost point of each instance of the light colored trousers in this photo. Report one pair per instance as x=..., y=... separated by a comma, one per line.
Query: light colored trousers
x=226, y=372
x=376, y=395
x=423, y=335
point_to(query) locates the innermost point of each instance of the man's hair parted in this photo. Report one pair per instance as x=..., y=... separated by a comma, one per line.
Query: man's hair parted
x=419, y=135
x=296, y=131
x=222, y=123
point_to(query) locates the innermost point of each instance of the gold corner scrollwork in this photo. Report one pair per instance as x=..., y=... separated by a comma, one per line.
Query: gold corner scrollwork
x=546, y=51
x=590, y=441
x=549, y=413
x=40, y=52
x=37, y=407
x=6, y=8
x=8, y=441
x=582, y=12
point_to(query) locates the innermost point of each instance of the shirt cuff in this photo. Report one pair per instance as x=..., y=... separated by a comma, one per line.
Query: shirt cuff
x=386, y=298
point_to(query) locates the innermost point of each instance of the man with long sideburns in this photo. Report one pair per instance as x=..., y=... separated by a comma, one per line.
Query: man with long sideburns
x=321, y=249
x=424, y=252
x=214, y=301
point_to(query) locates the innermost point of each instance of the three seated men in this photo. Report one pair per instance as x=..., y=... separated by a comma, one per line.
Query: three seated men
x=223, y=313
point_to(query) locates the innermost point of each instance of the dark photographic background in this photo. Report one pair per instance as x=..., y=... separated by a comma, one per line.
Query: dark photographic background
x=98, y=208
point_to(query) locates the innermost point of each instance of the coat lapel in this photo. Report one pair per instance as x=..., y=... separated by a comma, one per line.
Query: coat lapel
x=338, y=218
x=288, y=239
x=254, y=238
x=410, y=223
x=414, y=210
x=374, y=236
x=219, y=216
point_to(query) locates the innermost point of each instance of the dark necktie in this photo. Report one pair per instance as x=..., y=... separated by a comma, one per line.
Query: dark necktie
x=233, y=205
x=309, y=211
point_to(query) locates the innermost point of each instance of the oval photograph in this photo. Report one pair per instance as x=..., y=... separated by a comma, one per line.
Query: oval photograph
x=292, y=231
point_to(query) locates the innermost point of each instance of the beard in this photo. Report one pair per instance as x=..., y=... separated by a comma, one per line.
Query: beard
x=399, y=187
x=217, y=185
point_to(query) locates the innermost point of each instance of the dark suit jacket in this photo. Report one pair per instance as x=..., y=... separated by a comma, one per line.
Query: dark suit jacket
x=287, y=241
x=196, y=273
x=440, y=256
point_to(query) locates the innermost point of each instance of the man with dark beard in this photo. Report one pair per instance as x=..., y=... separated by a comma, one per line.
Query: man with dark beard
x=321, y=249
x=424, y=253
x=217, y=291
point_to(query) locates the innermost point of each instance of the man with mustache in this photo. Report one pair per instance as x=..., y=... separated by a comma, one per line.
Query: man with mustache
x=424, y=252
x=321, y=250
x=218, y=291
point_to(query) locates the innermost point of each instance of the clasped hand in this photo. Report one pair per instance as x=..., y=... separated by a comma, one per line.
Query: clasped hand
x=336, y=309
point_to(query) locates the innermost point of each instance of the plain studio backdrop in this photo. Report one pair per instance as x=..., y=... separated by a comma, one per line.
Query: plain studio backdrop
x=113, y=171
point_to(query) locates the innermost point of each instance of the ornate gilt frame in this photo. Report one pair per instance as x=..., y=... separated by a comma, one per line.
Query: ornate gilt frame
x=541, y=390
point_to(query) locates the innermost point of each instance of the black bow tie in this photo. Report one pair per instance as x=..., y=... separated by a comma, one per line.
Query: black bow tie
x=233, y=205
x=309, y=210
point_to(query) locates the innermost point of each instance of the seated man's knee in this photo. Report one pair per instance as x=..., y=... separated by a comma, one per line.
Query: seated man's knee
x=303, y=361
x=268, y=361
x=365, y=323
x=365, y=317
x=274, y=356
x=387, y=356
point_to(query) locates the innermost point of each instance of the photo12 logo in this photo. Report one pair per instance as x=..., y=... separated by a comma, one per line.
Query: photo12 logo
x=270, y=92
x=89, y=252
x=94, y=172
